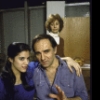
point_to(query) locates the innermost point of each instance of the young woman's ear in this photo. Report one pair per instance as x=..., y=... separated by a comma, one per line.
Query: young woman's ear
x=10, y=60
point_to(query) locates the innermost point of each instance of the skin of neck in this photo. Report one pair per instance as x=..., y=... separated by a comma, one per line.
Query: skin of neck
x=54, y=65
x=16, y=73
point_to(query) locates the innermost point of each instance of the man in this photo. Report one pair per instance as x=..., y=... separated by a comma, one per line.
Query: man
x=52, y=78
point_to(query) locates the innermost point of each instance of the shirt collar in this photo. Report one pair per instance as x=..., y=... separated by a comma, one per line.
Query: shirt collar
x=60, y=62
x=54, y=35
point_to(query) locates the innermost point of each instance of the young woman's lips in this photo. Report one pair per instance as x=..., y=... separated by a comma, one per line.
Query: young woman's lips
x=25, y=67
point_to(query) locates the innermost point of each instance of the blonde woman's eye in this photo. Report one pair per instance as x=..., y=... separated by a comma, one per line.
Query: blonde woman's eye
x=52, y=24
x=57, y=23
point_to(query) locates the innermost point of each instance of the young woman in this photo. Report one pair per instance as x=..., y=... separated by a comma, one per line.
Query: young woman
x=14, y=85
x=54, y=25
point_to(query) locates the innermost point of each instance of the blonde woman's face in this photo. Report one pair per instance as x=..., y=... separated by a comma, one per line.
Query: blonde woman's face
x=55, y=26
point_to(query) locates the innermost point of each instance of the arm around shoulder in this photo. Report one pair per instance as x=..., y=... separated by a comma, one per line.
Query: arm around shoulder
x=72, y=63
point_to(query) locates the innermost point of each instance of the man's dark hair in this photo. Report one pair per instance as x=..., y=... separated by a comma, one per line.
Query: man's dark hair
x=43, y=36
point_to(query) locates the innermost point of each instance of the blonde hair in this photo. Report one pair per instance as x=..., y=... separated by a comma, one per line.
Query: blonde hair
x=51, y=18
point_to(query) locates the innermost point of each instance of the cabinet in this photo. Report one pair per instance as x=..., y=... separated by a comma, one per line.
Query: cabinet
x=76, y=36
x=86, y=75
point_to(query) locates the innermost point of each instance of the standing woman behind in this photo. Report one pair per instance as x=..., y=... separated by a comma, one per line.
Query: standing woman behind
x=54, y=26
x=13, y=82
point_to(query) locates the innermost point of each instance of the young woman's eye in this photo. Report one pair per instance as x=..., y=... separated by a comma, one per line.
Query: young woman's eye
x=21, y=58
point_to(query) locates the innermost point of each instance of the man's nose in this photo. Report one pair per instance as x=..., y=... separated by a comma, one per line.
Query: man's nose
x=42, y=56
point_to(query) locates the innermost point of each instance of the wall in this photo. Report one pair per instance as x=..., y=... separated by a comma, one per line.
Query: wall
x=57, y=7
x=1, y=34
x=36, y=22
x=12, y=26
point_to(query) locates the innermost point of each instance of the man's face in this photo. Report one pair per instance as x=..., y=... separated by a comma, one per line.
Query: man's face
x=45, y=53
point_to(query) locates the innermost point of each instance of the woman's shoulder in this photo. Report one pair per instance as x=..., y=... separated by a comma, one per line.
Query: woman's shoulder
x=29, y=76
x=31, y=66
x=1, y=84
x=2, y=90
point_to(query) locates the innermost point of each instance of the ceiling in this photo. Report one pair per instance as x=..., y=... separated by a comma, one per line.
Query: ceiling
x=8, y=4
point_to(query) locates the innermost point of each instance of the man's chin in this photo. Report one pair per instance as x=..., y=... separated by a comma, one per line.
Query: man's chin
x=44, y=65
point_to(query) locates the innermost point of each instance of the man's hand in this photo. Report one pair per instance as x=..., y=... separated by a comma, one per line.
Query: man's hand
x=60, y=95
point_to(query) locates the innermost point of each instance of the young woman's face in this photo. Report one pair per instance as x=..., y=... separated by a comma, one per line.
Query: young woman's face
x=20, y=62
x=55, y=26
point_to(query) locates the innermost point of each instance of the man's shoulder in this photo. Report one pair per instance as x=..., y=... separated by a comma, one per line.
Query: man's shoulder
x=38, y=68
x=62, y=62
x=33, y=64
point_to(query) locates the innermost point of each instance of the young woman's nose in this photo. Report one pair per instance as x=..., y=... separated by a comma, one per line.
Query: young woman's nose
x=26, y=61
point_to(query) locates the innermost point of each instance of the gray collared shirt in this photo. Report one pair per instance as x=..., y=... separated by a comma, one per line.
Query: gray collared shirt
x=69, y=82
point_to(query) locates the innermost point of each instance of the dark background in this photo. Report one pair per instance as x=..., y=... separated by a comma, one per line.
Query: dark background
x=8, y=4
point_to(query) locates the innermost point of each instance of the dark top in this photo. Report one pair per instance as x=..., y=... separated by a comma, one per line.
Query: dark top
x=60, y=48
x=20, y=92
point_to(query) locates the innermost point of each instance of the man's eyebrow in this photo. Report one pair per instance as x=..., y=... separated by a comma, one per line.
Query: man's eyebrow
x=36, y=52
x=47, y=50
x=43, y=51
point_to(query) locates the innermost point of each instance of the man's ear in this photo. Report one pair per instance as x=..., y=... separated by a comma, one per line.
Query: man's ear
x=55, y=50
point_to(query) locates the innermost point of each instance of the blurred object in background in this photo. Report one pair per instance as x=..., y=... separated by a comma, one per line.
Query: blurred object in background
x=79, y=60
x=2, y=60
x=32, y=57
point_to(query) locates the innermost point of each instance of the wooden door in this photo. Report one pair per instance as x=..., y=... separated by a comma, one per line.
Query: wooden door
x=76, y=35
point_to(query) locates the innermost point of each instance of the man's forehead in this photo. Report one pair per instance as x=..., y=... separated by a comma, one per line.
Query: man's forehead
x=42, y=44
